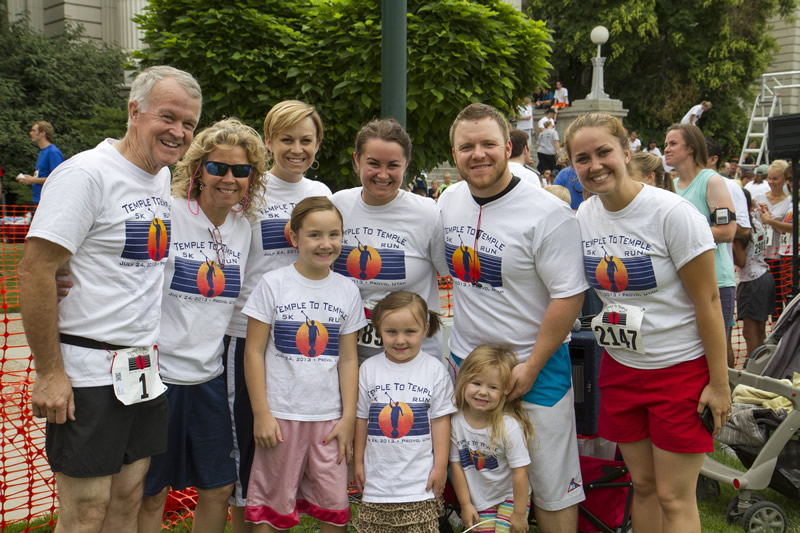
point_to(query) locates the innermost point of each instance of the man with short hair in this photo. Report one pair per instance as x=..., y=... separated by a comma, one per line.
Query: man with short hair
x=106, y=211
x=561, y=96
x=549, y=116
x=525, y=117
x=694, y=114
x=514, y=252
x=518, y=161
x=49, y=158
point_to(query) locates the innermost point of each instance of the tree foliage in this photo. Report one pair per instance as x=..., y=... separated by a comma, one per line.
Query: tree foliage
x=664, y=56
x=71, y=83
x=252, y=54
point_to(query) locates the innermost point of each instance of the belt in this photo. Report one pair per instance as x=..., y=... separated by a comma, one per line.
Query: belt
x=83, y=342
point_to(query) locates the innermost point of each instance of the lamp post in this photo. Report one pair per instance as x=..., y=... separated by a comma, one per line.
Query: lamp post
x=599, y=37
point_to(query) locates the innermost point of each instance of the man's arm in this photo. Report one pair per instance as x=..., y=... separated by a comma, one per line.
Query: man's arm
x=52, y=391
x=556, y=324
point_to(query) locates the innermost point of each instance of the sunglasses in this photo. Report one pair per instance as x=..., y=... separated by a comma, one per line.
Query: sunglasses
x=215, y=168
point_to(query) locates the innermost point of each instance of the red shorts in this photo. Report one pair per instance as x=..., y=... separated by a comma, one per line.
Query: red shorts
x=660, y=404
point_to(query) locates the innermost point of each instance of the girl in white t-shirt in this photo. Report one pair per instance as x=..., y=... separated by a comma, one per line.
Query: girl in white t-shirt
x=403, y=424
x=301, y=371
x=488, y=444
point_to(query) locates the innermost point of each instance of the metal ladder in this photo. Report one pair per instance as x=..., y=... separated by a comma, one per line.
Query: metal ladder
x=767, y=104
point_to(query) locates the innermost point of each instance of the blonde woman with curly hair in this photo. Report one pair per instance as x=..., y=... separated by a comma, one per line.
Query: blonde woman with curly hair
x=214, y=189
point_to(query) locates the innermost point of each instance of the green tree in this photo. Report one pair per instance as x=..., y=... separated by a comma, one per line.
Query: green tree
x=71, y=83
x=250, y=55
x=665, y=56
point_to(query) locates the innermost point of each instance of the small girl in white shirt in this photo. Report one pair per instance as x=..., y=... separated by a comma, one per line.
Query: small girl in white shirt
x=403, y=424
x=301, y=371
x=488, y=444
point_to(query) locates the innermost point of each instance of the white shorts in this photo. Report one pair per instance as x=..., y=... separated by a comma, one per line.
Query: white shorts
x=554, y=472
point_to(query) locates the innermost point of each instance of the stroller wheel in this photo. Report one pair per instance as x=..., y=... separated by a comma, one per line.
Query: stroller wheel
x=733, y=514
x=764, y=517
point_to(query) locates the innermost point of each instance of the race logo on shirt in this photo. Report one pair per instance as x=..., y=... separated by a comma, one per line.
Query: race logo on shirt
x=480, y=268
x=477, y=459
x=206, y=278
x=310, y=338
x=386, y=263
x=631, y=273
x=147, y=235
x=397, y=419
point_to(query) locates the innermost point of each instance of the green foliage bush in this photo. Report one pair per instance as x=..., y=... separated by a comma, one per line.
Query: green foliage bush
x=74, y=84
x=252, y=54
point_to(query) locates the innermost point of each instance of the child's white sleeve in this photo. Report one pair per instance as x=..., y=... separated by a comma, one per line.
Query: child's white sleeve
x=516, y=447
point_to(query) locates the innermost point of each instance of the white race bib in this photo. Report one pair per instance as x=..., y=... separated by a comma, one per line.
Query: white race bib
x=368, y=336
x=760, y=243
x=134, y=372
x=619, y=326
x=786, y=240
x=770, y=238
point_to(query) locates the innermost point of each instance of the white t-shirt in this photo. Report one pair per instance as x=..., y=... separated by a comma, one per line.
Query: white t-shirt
x=543, y=122
x=114, y=218
x=528, y=240
x=635, y=145
x=654, y=151
x=525, y=123
x=307, y=317
x=404, y=251
x=632, y=257
x=487, y=468
x=269, y=245
x=778, y=211
x=547, y=141
x=697, y=111
x=399, y=401
x=199, y=295
x=739, y=203
x=757, y=188
x=518, y=169
x=561, y=95
x=755, y=266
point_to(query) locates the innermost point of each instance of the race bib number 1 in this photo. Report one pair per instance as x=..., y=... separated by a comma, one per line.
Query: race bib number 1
x=135, y=376
x=619, y=326
x=368, y=336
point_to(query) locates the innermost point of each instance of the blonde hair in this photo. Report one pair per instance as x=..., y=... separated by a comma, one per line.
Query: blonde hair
x=308, y=205
x=481, y=359
x=286, y=114
x=560, y=192
x=646, y=162
x=227, y=133
x=780, y=165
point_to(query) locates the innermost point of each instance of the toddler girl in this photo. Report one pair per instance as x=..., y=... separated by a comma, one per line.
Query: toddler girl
x=403, y=424
x=488, y=444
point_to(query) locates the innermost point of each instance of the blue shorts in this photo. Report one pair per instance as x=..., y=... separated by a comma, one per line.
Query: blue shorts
x=200, y=441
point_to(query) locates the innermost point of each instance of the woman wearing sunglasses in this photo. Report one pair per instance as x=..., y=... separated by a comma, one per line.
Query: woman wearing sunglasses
x=215, y=189
x=293, y=133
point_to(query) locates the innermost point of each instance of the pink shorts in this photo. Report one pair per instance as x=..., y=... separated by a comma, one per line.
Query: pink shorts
x=299, y=475
x=660, y=404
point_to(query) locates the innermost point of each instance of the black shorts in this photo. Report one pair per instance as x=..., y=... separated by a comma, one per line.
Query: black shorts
x=756, y=299
x=106, y=434
x=244, y=445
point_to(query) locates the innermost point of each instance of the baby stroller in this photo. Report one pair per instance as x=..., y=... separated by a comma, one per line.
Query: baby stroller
x=777, y=463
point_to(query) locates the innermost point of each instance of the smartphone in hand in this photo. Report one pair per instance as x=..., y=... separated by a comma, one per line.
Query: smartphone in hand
x=707, y=417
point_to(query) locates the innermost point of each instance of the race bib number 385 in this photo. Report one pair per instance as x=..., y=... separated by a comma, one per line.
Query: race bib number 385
x=619, y=326
x=134, y=373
